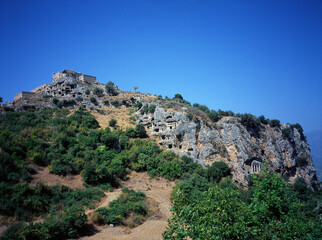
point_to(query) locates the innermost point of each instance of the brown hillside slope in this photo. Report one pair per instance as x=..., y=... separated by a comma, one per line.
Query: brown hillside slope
x=158, y=191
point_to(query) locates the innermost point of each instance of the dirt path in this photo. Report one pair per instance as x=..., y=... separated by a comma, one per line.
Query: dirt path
x=158, y=192
x=109, y=197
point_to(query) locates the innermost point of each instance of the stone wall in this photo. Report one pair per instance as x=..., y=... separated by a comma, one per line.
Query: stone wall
x=87, y=79
x=23, y=95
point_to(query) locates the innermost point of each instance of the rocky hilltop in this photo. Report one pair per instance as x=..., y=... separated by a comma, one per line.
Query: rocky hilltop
x=240, y=141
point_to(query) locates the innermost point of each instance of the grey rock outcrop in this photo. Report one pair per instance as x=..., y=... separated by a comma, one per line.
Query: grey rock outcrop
x=229, y=141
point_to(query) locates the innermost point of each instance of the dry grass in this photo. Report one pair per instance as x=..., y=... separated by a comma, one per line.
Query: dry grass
x=120, y=114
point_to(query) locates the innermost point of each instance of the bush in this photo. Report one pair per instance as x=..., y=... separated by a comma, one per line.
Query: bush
x=189, y=116
x=55, y=101
x=87, y=92
x=128, y=203
x=217, y=171
x=249, y=120
x=140, y=131
x=93, y=100
x=138, y=105
x=274, y=123
x=178, y=97
x=110, y=89
x=300, y=185
x=152, y=108
x=112, y=122
x=115, y=103
x=98, y=91
x=262, y=119
x=106, y=102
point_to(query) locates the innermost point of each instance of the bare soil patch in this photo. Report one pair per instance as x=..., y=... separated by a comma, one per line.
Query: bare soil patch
x=43, y=175
x=158, y=192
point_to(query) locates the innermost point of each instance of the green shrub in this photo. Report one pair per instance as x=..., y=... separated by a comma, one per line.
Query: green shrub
x=287, y=133
x=115, y=103
x=93, y=100
x=217, y=171
x=112, y=122
x=110, y=89
x=55, y=101
x=262, y=119
x=249, y=120
x=128, y=203
x=189, y=116
x=274, y=123
x=152, y=108
x=98, y=91
x=138, y=105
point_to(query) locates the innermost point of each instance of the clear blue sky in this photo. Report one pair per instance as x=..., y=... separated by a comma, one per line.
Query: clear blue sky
x=260, y=57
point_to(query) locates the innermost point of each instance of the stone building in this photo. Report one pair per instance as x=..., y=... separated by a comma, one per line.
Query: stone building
x=23, y=95
x=72, y=75
x=69, y=84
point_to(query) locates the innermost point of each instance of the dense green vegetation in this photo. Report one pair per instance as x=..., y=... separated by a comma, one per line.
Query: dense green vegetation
x=73, y=144
x=64, y=225
x=129, y=209
x=207, y=205
x=269, y=209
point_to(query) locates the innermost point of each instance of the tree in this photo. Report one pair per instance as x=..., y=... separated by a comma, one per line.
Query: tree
x=1, y=99
x=110, y=88
x=87, y=92
x=135, y=88
x=217, y=214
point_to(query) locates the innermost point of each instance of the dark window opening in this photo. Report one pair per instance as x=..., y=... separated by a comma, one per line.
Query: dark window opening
x=156, y=129
x=190, y=149
x=170, y=146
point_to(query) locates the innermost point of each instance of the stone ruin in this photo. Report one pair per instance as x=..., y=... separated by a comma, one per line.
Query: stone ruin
x=26, y=95
x=69, y=84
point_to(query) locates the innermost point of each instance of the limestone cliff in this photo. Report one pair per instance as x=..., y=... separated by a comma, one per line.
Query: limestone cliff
x=230, y=141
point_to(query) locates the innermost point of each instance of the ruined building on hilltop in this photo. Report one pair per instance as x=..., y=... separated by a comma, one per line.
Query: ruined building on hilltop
x=69, y=84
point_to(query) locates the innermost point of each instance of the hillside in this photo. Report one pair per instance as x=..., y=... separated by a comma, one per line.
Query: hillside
x=79, y=159
x=243, y=141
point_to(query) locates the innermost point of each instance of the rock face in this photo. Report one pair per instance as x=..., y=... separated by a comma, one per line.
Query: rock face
x=228, y=140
